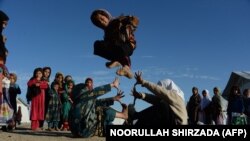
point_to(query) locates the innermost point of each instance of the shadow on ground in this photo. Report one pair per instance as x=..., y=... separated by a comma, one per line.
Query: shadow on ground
x=28, y=131
x=24, y=130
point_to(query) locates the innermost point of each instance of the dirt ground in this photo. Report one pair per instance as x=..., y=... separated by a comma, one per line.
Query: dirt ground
x=23, y=133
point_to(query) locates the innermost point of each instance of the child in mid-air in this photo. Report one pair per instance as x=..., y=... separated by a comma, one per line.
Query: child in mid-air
x=119, y=41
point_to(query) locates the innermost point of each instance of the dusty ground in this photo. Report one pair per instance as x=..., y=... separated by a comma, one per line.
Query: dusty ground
x=23, y=133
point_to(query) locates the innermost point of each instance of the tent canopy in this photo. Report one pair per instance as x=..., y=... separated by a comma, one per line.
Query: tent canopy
x=239, y=78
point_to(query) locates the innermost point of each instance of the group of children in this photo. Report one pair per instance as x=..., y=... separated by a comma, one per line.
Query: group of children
x=8, y=87
x=53, y=102
x=66, y=106
x=79, y=103
x=62, y=103
x=49, y=102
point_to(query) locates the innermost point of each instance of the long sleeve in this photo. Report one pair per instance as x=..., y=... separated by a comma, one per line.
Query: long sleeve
x=31, y=82
x=44, y=85
x=168, y=95
x=101, y=90
x=14, y=89
x=172, y=98
x=152, y=99
x=80, y=91
x=18, y=90
x=105, y=102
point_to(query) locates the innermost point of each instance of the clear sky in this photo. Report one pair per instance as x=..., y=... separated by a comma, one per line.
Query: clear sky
x=193, y=42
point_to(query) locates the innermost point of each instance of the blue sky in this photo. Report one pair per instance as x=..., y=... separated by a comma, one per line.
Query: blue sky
x=195, y=42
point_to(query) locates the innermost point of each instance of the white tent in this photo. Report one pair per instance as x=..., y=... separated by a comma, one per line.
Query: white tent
x=239, y=78
x=25, y=110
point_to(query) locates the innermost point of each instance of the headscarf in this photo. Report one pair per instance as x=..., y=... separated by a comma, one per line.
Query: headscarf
x=3, y=16
x=170, y=85
x=109, y=16
x=35, y=72
x=222, y=100
x=219, y=92
x=205, y=100
x=47, y=68
x=102, y=12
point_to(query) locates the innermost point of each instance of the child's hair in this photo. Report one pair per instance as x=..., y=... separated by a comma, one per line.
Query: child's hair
x=35, y=72
x=3, y=16
x=14, y=76
x=55, y=83
x=47, y=68
x=58, y=74
x=70, y=81
x=94, y=14
x=5, y=73
x=194, y=88
x=67, y=78
x=88, y=79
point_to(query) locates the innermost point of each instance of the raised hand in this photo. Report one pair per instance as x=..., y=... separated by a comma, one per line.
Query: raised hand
x=115, y=83
x=138, y=77
x=136, y=94
x=119, y=95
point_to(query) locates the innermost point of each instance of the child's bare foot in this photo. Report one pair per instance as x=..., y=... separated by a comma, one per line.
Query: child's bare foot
x=125, y=71
x=112, y=64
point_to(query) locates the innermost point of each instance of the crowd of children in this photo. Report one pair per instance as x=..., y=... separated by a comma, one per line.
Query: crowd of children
x=66, y=106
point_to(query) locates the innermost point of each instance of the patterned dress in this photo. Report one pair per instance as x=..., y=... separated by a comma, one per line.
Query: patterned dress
x=54, y=109
x=82, y=116
x=6, y=111
x=66, y=105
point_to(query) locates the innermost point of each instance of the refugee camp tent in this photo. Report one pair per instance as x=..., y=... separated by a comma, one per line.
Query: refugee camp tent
x=239, y=78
